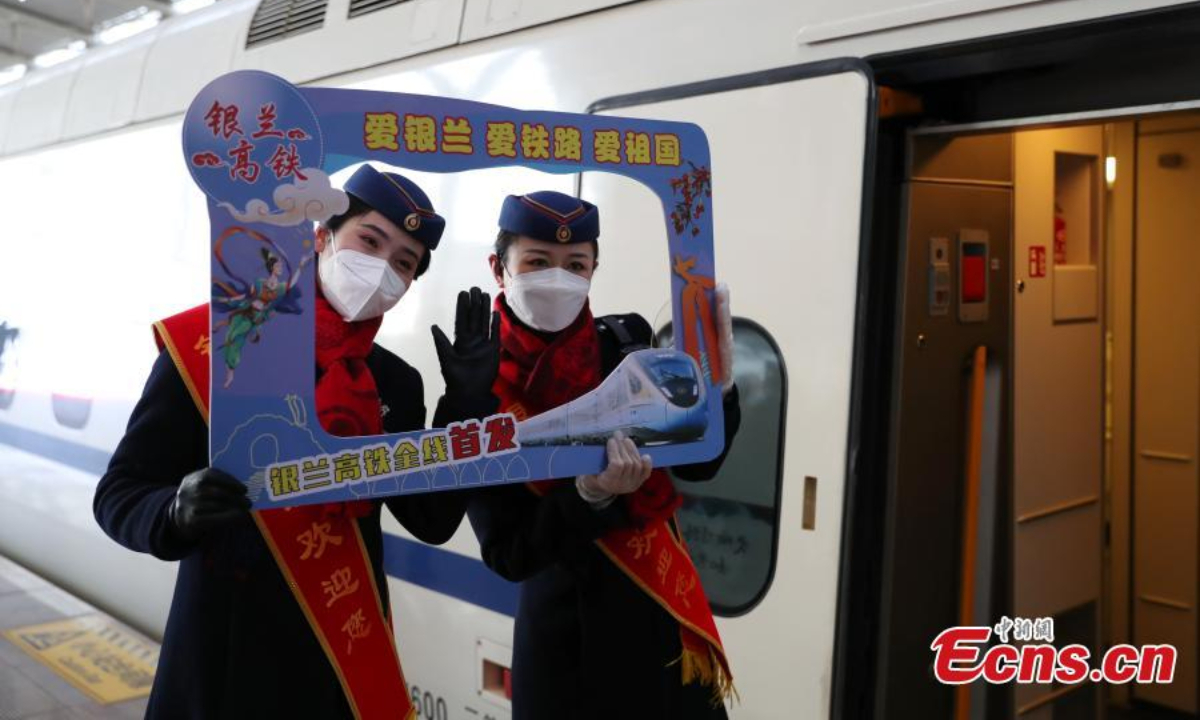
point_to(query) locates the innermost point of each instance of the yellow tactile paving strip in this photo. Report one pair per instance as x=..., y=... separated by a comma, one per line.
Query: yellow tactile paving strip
x=62, y=659
x=99, y=656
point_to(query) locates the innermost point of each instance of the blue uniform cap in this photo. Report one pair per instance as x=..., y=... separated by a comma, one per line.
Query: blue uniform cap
x=400, y=200
x=550, y=216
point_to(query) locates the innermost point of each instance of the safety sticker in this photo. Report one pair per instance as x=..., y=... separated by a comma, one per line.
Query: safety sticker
x=105, y=660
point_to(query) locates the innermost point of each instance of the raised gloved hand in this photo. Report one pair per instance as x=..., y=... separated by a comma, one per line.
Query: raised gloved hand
x=625, y=472
x=205, y=499
x=725, y=337
x=471, y=364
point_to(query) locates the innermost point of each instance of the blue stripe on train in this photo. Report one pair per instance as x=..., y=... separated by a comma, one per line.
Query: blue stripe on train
x=77, y=455
x=448, y=573
x=441, y=571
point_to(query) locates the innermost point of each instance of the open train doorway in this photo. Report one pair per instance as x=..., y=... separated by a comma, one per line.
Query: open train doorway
x=1048, y=361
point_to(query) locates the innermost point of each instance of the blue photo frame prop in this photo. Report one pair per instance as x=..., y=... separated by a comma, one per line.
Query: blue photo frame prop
x=262, y=151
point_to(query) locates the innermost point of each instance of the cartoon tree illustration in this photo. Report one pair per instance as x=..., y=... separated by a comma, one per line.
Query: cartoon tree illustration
x=692, y=189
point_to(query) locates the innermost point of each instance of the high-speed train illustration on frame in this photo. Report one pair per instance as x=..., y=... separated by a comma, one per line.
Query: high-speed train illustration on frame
x=653, y=396
x=804, y=105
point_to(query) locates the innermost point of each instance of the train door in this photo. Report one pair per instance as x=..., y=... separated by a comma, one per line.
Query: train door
x=996, y=469
x=1166, y=400
x=953, y=367
x=1057, y=398
x=788, y=162
x=1046, y=409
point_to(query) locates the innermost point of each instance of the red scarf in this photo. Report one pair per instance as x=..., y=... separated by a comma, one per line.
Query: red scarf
x=545, y=373
x=538, y=373
x=347, y=399
x=346, y=394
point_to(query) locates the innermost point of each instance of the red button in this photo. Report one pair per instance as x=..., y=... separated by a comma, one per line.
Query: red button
x=507, y=684
x=974, y=280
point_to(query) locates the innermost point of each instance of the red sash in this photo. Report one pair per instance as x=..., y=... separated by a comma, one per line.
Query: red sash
x=321, y=554
x=537, y=374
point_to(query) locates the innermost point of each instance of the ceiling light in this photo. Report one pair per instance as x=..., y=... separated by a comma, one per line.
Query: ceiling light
x=10, y=74
x=128, y=28
x=181, y=7
x=54, y=57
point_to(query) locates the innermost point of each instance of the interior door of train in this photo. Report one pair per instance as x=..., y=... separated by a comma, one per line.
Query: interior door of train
x=952, y=363
x=1058, y=399
x=996, y=498
x=789, y=161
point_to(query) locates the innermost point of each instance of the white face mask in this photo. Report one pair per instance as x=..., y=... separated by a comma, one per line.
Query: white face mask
x=357, y=285
x=548, y=299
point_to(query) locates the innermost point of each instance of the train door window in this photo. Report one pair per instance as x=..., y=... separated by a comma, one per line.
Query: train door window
x=730, y=523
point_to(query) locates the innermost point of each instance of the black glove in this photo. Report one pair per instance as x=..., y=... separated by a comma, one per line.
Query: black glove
x=471, y=364
x=205, y=499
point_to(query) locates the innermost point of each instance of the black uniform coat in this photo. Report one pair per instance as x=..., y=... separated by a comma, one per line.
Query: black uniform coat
x=588, y=642
x=237, y=644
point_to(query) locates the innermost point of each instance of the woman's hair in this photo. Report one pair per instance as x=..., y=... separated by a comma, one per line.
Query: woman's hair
x=358, y=207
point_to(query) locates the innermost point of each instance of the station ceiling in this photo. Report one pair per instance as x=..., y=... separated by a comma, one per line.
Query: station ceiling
x=29, y=28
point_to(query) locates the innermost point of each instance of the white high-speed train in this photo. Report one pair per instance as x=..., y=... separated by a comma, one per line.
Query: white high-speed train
x=805, y=105
x=653, y=396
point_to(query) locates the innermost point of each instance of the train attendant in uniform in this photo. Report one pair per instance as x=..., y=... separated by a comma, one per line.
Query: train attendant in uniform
x=612, y=621
x=252, y=632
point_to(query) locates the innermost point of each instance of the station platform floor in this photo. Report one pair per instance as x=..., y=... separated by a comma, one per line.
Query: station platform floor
x=62, y=659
